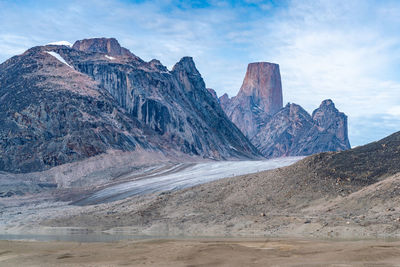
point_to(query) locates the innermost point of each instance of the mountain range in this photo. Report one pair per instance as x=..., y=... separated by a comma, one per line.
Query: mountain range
x=279, y=131
x=60, y=104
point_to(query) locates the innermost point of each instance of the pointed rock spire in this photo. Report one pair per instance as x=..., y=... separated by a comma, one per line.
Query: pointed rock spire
x=187, y=65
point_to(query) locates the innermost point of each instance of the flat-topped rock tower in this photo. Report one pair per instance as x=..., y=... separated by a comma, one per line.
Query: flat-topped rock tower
x=263, y=85
x=259, y=97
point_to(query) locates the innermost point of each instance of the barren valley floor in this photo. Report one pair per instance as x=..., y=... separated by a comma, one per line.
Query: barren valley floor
x=198, y=252
x=329, y=209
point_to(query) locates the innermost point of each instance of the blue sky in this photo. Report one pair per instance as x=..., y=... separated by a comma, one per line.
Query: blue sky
x=348, y=51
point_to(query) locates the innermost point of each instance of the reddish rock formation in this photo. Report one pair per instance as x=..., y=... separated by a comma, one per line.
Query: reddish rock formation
x=262, y=84
x=109, y=46
x=259, y=97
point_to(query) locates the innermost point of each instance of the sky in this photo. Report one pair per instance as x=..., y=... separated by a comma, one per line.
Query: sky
x=347, y=51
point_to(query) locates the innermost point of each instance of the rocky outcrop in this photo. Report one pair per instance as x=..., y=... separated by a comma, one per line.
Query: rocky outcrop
x=109, y=46
x=282, y=134
x=213, y=93
x=225, y=101
x=293, y=132
x=289, y=131
x=61, y=104
x=259, y=97
x=332, y=123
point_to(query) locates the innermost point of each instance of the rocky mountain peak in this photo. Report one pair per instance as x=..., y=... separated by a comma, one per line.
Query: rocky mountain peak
x=327, y=103
x=259, y=97
x=263, y=84
x=155, y=62
x=293, y=131
x=331, y=120
x=109, y=46
x=213, y=93
x=188, y=75
x=225, y=101
x=157, y=65
x=326, y=109
x=186, y=64
x=294, y=108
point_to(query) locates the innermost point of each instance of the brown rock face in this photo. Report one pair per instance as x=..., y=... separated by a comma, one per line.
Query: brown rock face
x=109, y=46
x=259, y=97
x=263, y=84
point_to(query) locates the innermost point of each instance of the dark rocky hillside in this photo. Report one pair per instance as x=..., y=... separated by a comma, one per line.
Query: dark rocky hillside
x=362, y=165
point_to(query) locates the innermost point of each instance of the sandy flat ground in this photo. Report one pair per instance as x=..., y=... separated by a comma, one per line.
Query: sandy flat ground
x=202, y=252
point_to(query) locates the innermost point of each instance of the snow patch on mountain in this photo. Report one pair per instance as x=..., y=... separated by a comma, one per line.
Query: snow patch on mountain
x=66, y=43
x=60, y=58
x=109, y=57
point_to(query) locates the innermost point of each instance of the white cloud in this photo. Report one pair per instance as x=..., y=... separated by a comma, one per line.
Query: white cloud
x=394, y=111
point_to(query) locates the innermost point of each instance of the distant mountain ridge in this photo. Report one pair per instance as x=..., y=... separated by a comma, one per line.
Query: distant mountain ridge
x=283, y=131
x=60, y=104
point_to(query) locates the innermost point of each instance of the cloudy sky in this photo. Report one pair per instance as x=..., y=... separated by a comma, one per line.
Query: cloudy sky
x=348, y=51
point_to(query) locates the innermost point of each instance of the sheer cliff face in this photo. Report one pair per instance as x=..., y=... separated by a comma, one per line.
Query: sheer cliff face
x=103, y=97
x=289, y=131
x=259, y=97
x=175, y=104
x=262, y=84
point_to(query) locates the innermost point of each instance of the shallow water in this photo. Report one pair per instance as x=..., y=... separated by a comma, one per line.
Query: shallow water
x=90, y=237
x=83, y=235
x=81, y=238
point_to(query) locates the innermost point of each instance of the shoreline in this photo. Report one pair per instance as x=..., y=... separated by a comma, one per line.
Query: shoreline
x=87, y=235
